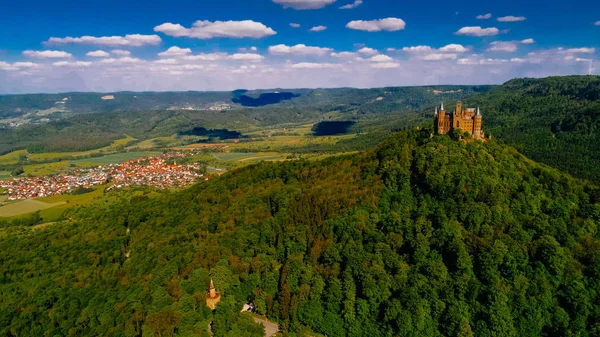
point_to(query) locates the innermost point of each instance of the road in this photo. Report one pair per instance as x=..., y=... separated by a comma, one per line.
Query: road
x=270, y=327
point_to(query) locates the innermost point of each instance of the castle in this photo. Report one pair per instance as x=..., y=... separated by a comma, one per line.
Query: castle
x=213, y=297
x=465, y=120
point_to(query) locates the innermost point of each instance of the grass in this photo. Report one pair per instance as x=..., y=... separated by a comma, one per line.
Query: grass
x=26, y=207
x=114, y=158
x=52, y=208
x=4, y=175
x=13, y=157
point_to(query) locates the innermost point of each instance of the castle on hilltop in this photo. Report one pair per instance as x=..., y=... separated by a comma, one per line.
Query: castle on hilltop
x=465, y=120
x=212, y=297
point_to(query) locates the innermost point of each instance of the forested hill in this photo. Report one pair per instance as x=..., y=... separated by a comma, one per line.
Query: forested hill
x=555, y=120
x=419, y=237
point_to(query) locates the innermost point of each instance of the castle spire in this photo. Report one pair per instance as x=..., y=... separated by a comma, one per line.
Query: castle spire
x=212, y=286
x=478, y=112
x=442, y=106
x=436, y=112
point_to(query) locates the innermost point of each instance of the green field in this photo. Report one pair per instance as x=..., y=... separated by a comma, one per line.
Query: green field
x=4, y=175
x=114, y=158
x=25, y=207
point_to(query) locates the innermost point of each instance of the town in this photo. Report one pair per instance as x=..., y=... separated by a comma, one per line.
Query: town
x=161, y=172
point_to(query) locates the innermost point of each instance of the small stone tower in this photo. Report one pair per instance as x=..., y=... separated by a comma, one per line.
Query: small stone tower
x=213, y=297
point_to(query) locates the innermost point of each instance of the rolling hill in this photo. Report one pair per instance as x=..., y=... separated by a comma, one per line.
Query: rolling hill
x=417, y=237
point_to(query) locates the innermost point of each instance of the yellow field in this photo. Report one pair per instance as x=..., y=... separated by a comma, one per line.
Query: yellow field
x=12, y=158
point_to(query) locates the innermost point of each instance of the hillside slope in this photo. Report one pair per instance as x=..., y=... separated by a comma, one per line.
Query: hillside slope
x=554, y=120
x=418, y=237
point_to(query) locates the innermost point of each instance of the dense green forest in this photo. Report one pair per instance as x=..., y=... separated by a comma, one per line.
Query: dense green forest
x=417, y=237
x=554, y=120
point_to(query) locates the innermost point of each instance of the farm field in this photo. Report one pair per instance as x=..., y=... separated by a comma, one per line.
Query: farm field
x=113, y=158
x=13, y=157
x=25, y=207
x=4, y=175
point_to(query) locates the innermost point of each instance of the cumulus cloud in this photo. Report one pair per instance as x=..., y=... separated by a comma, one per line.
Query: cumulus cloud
x=511, y=18
x=417, y=49
x=206, y=57
x=17, y=65
x=381, y=58
x=72, y=64
x=478, y=31
x=385, y=65
x=299, y=49
x=355, y=4
x=175, y=52
x=120, y=52
x=368, y=51
x=310, y=65
x=484, y=16
x=453, y=48
x=98, y=53
x=344, y=54
x=132, y=40
x=584, y=50
x=597, y=23
x=304, y=4
x=47, y=54
x=246, y=57
x=318, y=29
x=528, y=41
x=387, y=24
x=439, y=57
x=295, y=25
x=503, y=46
x=122, y=60
x=204, y=29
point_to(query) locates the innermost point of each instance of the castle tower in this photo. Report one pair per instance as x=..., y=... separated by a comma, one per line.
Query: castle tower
x=477, y=132
x=213, y=297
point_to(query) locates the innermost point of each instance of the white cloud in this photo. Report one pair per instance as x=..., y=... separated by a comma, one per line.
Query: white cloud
x=584, y=50
x=253, y=48
x=381, y=58
x=175, y=52
x=98, y=53
x=417, y=49
x=133, y=40
x=304, y=4
x=310, y=65
x=47, y=54
x=318, y=29
x=597, y=23
x=120, y=52
x=484, y=16
x=72, y=64
x=355, y=4
x=478, y=31
x=166, y=61
x=121, y=60
x=246, y=57
x=299, y=49
x=511, y=18
x=344, y=54
x=206, y=57
x=385, y=65
x=388, y=24
x=528, y=41
x=17, y=66
x=503, y=46
x=208, y=30
x=453, y=48
x=439, y=57
x=368, y=51
x=295, y=25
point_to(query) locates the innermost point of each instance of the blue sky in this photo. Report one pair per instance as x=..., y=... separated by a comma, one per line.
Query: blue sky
x=44, y=45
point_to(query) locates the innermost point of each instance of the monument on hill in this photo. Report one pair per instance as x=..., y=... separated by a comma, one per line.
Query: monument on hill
x=213, y=297
x=466, y=120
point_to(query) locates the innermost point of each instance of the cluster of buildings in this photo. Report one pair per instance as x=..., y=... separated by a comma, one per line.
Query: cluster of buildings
x=160, y=171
